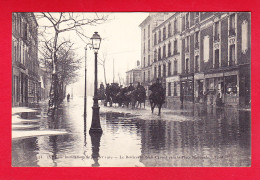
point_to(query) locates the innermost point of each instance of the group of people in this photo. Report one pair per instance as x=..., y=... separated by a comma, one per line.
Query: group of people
x=115, y=86
x=115, y=93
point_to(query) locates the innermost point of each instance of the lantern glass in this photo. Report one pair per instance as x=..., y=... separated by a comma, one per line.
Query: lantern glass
x=96, y=40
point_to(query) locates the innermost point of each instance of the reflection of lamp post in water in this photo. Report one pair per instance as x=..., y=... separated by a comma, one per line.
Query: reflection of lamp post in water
x=95, y=125
x=95, y=142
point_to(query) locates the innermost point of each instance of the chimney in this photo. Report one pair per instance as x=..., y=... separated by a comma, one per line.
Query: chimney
x=138, y=63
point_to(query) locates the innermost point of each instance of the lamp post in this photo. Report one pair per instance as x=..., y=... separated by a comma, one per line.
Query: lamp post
x=95, y=125
x=85, y=88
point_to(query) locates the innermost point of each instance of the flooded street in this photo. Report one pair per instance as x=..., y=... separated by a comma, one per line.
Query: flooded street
x=193, y=137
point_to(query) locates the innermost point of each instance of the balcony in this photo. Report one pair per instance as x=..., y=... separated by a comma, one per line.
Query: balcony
x=216, y=38
x=232, y=32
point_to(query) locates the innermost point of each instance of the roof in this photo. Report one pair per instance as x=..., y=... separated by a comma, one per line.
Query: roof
x=145, y=21
x=135, y=69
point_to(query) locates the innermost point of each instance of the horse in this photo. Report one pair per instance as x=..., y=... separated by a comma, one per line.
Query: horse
x=130, y=98
x=141, y=97
x=157, y=98
x=114, y=92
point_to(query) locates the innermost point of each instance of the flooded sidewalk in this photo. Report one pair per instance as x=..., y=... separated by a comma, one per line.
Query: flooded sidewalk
x=26, y=122
x=201, y=136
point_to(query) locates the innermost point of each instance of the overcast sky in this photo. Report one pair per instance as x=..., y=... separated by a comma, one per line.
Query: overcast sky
x=121, y=43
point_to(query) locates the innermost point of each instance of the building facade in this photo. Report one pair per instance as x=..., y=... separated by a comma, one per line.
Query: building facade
x=25, y=65
x=133, y=76
x=202, y=57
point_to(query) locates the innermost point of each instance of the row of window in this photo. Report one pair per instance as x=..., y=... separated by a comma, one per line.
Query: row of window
x=185, y=25
x=161, y=37
x=216, y=63
x=159, y=56
x=21, y=53
x=161, y=71
x=20, y=27
x=148, y=32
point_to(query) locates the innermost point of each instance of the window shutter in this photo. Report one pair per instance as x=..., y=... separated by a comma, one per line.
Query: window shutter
x=244, y=37
x=206, y=49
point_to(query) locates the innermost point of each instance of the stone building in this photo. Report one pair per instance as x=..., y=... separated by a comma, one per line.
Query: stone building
x=200, y=56
x=133, y=76
x=25, y=65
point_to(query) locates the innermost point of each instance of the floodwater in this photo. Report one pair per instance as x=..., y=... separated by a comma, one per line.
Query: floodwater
x=196, y=136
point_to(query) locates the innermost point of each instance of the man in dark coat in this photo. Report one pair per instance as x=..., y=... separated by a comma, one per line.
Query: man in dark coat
x=131, y=87
x=156, y=86
x=157, y=89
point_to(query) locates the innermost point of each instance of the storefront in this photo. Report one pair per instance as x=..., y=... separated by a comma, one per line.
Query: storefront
x=221, y=88
x=244, y=86
x=199, y=88
x=231, y=90
x=187, y=88
x=172, y=91
x=15, y=87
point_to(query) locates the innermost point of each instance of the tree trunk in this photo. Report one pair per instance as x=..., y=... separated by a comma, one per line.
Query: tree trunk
x=105, y=74
x=53, y=102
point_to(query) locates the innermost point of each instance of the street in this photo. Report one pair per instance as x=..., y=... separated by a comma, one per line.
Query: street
x=192, y=136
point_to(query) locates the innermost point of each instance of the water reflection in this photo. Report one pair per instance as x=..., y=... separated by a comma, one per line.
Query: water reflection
x=95, y=141
x=24, y=153
x=207, y=136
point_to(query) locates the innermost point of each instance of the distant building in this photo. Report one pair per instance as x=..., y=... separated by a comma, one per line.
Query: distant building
x=134, y=75
x=199, y=56
x=25, y=65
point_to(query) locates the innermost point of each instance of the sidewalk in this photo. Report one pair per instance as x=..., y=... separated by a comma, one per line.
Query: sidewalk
x=189, y=105
x=26, y=122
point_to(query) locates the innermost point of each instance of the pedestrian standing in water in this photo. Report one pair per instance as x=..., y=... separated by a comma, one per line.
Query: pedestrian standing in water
x=68, y=97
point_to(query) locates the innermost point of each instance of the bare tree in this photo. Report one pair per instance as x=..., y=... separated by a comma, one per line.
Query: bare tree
x=102, y=61
x=60, y=23
x=67, y=65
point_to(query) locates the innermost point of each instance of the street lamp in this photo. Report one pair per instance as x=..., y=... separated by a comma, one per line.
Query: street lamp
x=95, y=125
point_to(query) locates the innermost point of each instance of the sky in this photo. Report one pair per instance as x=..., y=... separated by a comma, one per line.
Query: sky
x=121, y=43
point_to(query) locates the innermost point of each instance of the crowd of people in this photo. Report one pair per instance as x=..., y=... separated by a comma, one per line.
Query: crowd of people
x=115, y=93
